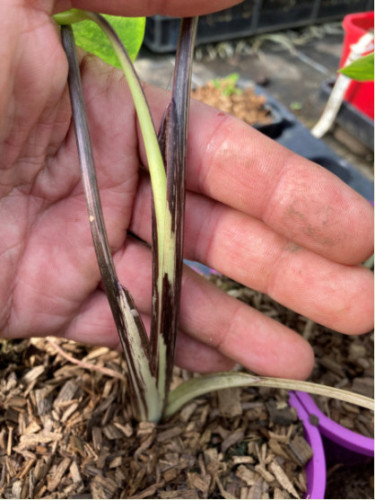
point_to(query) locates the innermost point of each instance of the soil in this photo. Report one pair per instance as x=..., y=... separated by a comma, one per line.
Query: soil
x=66, y=431
x=226, y=96
x=355, y=481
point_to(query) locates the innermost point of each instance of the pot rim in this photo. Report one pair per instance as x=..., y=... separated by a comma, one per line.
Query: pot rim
x=335, y=432
x=316, y=470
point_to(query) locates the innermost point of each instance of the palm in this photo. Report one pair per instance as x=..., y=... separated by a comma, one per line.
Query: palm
x=51, y=269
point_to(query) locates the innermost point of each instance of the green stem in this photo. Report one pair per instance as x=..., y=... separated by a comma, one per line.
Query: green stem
x=71, y=16
x=154, y=157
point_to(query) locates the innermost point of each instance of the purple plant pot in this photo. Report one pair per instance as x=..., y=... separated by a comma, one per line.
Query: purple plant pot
x=341, y=445
x=316, y=467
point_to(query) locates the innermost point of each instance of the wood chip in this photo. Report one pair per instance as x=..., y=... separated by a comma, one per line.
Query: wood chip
x=242, y=460
x=332, y=365
x=281, y=415
x=198, y=482
x=16, y=402
x=74, y=471
x=148, y=492
x=34, y=374
x=57, y=474
x=126, y=429
x=300, y=449
x=266, y=475
x=31, y=440
x=245, y=474
x=280, y=494
x=283, y=479
x=187, y=411
x=115, y=462
x=230, y=402
x=364, y=385
x=256, y=490
x=112, y=432
x=170, y=474
x=43, y=402
x=67, y=392
x=106, y=486
x=233, y=438
x=225, y=494
x=169, y=434
x=183, y=493
x=32, y=427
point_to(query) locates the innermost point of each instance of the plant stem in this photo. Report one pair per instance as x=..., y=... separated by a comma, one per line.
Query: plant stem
x=135, y=343
x=168, y=217
x=168, y=256
x=154, y=156
x=71, y=16
x=199, y=386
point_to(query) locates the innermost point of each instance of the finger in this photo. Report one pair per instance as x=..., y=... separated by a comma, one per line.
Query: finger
x=247, y=250
x=94, y=326
x=209, y=315
x=195, y=356
x=233, y=163
x=180, y=8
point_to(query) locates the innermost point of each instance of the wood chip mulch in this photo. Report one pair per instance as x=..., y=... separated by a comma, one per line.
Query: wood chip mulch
x=66, y=431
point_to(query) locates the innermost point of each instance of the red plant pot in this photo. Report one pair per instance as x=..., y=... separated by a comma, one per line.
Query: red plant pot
x=359, y=94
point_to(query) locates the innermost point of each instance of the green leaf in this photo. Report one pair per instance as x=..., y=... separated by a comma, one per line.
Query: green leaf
x=199, y=386
x=362, y=69
x=295, y=105
x=195, y=387
x=232, y=78
x=90, y=37
x=227, y=84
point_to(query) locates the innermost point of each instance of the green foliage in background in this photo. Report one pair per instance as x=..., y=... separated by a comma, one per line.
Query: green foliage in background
x=228, y=84
x=361, y=70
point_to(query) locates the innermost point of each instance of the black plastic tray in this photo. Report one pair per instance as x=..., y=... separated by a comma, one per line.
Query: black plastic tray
x=350, y=118
x=298, y=138
x=280, y=14
x=162, y=31
x=249, y=18
x=275, y=128
x=330, y=10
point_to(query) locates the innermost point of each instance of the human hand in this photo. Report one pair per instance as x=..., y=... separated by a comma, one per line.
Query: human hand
x=255, y=212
